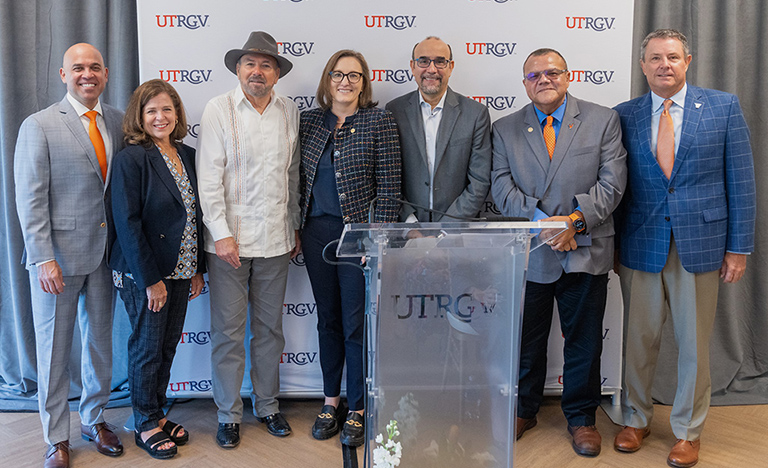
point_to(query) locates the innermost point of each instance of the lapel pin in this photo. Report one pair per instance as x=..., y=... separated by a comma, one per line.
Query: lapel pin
x=570, y=125
x=530, y=129
x=351, y=130
x=697, y=104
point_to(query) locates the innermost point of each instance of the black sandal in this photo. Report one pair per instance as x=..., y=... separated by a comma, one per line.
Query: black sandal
x=156, y=440
x=171, y=428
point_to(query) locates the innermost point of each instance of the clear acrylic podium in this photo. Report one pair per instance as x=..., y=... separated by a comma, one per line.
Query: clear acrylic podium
x=443, y=318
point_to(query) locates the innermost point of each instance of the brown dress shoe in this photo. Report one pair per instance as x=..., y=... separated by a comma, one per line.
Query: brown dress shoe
x=523, y=425
x=57, y=455
x=106, y=441
x=630, y=439
x=586, y=440
x=684, y=453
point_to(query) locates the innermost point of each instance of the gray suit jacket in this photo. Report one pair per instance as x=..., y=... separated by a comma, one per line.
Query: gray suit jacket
x=462, y=156
x=588, y=169
x=60, y=190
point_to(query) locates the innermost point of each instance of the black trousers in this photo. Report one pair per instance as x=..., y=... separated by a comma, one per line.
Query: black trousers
x=152, y=347
x=340, y=295
x=581, y=304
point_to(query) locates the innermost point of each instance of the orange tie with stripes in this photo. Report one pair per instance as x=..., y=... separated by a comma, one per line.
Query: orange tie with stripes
x=98, y=142
x=665, y=142
x=549, y=136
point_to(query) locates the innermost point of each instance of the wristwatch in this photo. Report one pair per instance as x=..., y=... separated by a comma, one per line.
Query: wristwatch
x=578, y=223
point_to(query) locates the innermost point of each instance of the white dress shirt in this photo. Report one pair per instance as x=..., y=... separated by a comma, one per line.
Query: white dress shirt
x=248, y=173
x=100, y=123
x=431, y=118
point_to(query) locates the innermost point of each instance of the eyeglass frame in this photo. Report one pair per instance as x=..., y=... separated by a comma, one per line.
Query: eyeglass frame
x=533, y=77
x=432, y=61
x=345, y=75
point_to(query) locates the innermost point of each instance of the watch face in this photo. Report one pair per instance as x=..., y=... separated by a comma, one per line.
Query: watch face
x=579, y=225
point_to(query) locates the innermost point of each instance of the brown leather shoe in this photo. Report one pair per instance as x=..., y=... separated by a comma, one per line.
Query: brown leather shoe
x=586, y=440
x=523, y=425
x=106, y=441
x=630, y=439
x=57, y=455
x=684, y=453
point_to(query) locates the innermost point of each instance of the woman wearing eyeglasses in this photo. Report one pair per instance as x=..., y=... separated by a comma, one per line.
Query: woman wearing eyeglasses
x=350, y=154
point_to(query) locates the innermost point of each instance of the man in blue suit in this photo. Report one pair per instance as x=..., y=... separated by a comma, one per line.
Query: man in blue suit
x=687, y=218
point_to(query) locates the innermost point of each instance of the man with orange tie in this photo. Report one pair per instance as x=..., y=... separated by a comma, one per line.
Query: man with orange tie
x=560, y=159
x=61, y=169
x=687, y=220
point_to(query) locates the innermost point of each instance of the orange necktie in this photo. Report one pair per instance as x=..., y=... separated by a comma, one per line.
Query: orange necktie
x=98, y=142
x=665, y=142
x=549, y=136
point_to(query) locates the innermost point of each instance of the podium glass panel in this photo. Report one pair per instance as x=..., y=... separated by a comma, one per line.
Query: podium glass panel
x=443, y=331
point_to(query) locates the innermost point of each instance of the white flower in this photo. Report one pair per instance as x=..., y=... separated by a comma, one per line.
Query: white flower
x=379, y=439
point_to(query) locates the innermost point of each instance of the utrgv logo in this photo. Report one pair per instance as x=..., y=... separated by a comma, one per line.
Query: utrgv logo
x=300, y=359
x=600, y=23
x=597, y=77
x=186, y=76
x=462, y=307
x=301, y=309
x=198, y=338
x=395, y=22
x=396, y=76
x=297, y=49
x=499, y=49
x=182, y=21
x=191, y=386
x=496, y=102
x=302, y=102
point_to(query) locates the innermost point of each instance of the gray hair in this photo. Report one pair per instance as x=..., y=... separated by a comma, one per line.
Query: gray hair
x=665, y=34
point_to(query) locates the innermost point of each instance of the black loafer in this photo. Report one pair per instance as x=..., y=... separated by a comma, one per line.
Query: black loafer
x=353, y=432
x=328, y=422
x=276, y=424
x=228, y=435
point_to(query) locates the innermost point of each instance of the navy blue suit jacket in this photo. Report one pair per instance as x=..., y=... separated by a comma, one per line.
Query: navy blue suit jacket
x=148, y=216
x=709, y=201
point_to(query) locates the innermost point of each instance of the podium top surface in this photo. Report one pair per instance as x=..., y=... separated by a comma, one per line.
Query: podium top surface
x=365, y=239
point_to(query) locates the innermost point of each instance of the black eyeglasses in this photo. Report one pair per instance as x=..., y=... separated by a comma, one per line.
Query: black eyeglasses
x=352, y=77
x=552, y=74
x=440, y=62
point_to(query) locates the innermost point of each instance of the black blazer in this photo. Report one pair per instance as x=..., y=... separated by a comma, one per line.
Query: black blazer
x=147, y=215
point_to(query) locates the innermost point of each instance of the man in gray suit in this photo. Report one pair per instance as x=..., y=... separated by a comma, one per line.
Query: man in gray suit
x=445, y=140
x=61, y=164
x=561, y=159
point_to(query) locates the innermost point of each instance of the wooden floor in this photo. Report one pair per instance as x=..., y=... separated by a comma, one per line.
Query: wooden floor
x=735, y=437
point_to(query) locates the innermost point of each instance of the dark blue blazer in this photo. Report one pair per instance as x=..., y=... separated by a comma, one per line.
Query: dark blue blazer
x=147, y=218
x=708, y=203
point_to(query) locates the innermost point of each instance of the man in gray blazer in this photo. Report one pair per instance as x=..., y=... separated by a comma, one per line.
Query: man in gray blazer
x=60, y=168
x=445, y=140
x=561, y=159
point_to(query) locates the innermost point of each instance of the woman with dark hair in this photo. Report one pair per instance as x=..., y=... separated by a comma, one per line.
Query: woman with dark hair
x=350, y=154
x=156, y=251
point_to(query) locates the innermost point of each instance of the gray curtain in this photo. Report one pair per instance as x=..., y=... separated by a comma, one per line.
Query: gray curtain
x=33, y=38
x=726, y=38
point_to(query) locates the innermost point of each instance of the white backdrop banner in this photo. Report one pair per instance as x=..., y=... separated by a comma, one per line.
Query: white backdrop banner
x=184, y=42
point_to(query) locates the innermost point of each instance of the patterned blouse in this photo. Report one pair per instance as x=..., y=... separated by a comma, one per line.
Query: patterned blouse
x=186, y=267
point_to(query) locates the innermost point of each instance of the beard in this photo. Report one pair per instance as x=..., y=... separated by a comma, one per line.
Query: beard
x=434, y=87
